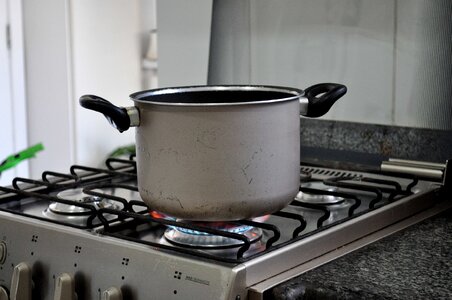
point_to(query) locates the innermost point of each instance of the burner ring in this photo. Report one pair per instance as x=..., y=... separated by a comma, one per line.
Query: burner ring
x=321, y=194
x=322, y=199
x=68, y=210
x=194, y=239
x=76, y=195
x=73, y=213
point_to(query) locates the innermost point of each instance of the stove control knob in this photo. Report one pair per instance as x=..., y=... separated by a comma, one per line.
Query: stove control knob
x=65, y=288
x=2, y=252
x=3, y=294
x=112, y=293
x=21, y=282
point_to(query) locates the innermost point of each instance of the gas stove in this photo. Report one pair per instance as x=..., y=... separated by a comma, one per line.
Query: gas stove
x=88, y=235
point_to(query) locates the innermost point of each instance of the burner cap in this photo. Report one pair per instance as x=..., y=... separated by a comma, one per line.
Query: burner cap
x=75, y=195
x=322, y=199
x=319, y=199
x=74, y=214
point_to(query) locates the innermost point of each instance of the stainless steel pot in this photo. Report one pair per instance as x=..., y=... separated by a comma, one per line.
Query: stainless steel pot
x=218, y=153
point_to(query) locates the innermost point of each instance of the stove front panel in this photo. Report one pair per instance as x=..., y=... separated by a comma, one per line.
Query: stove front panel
x=97, y=263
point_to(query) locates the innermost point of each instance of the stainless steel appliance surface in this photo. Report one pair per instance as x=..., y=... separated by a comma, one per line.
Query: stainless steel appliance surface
x=88, y=235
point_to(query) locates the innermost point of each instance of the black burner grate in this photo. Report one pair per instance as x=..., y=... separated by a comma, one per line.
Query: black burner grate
x=26, y=190
x=365, y=194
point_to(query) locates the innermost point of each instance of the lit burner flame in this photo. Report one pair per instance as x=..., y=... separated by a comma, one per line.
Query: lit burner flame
x=194, y=238
x=158, y=215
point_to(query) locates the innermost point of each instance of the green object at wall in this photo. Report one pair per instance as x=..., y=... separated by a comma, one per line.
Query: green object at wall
x=14, y=159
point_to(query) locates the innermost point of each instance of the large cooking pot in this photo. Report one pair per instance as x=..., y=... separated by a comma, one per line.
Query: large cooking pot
x=218, y=153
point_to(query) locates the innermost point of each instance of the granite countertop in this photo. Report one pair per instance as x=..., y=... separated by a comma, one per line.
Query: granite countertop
x=415, y=263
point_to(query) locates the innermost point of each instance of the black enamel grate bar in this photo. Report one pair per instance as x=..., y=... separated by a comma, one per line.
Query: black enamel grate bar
x=269, y=227
x=31, y=182
x=61, y=180
x=136, y=212
x=57, y=180
x=349, y=196
x=142, y=214
x=89, y=190
x=343, y=182
x=73, y=169
x=56, y=175
x=49, y=198
x=414, y=179
x=80, y=177
x=322, y=208
x=276, y=234
x=110, y=162
x=392, y=188
x=265, y=226
x=167, y=222
x=293, y=216
x=141, y=204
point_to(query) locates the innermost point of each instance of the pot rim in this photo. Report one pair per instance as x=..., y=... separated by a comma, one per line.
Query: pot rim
x=292, y=94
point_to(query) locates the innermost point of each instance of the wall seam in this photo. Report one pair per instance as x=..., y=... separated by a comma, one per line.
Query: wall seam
x=394, y=65
x=70, y=85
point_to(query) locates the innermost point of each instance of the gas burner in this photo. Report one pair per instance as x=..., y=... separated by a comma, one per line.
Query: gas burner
x=198, y=239
x=319, y=199
x=73, y=213
x=322, y=199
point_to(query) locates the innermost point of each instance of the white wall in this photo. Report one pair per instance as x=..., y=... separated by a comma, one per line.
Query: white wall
x=74, y=48
x=106, y=62
x=424, y=64
x=47, y=69
x=291, y=43
x=13, y=123
x=183, y=41
x=301, y=43
x=6, y=121
x=148, y=22
x=393, y=55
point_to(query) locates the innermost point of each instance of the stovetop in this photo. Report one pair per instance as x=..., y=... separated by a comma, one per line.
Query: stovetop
x=326, y=198
x=333, y=208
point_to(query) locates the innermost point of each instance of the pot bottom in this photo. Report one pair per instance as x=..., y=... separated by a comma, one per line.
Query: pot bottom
x=218, y=210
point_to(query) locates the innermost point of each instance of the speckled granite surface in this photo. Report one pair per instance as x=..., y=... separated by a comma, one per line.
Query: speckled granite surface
x=371, y=143
x=415, y=263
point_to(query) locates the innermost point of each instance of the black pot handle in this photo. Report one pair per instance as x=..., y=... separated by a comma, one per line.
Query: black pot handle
x=330, y=93
x=117, y=116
